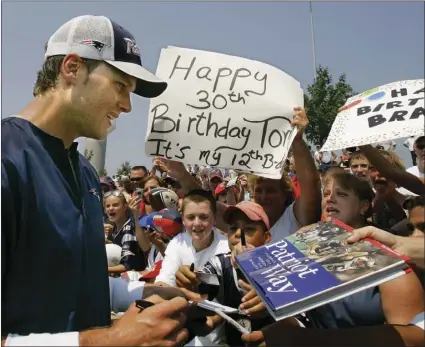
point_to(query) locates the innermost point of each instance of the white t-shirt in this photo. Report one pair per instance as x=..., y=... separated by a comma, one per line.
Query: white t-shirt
x=286, y=225
x=180, y=251
x=410, y=142
x=326, y=157
x=414, y=170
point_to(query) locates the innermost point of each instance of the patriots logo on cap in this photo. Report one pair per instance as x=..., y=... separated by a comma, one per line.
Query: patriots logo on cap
x=132, y=47
x=96, y=44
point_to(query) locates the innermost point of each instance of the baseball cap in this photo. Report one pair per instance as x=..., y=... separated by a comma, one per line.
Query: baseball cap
x=220, y=189
x=104, y=181
x=167, y=222
x=167, y=197
x=113, y=253
x=252, y=210
x=215, y=173
x=153, y=273
x=99, y=38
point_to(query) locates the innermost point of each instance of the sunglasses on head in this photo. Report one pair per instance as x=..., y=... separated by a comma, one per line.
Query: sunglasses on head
x=116, y=193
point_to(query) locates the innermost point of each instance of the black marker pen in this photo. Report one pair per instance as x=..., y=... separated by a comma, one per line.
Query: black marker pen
x=243, y=241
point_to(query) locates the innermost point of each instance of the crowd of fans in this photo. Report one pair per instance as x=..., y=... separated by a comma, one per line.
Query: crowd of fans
x=173, y=219
x=64, y=281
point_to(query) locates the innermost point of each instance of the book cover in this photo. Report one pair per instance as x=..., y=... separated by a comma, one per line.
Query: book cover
x=312, y=262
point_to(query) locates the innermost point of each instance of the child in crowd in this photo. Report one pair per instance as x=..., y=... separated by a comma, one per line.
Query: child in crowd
x=192, y=249
x=247, y=223
x=161, y=227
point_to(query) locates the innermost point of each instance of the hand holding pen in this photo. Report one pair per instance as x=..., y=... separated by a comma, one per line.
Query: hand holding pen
x=186, y=277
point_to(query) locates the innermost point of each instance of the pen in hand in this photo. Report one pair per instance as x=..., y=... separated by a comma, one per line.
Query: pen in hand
x=243, y=240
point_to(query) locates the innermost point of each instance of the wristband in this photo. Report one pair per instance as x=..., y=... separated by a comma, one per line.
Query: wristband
x=60, y=339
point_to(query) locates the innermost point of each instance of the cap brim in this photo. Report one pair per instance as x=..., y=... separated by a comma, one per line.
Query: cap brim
x=216, y=176
x=229, y=210
x=143, y=221
x=148, y=85
x=153, y=273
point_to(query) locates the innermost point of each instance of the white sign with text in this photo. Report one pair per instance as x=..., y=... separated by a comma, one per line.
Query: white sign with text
x=392, y=111
x=222, y=111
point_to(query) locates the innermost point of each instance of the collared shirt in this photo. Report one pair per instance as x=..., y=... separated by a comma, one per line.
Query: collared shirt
x=54, y=265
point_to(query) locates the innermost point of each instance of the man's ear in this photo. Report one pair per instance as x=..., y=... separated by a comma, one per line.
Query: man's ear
x=71, y=66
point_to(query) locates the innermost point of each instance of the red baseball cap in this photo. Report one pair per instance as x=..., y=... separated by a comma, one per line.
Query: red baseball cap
x=252, y=210
x=220, y=189
x=215, y=173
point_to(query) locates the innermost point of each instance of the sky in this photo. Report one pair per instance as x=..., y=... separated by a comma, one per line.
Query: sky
x=373, y=43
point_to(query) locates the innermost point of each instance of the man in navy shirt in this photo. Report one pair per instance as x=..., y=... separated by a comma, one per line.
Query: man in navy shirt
x=54, y=266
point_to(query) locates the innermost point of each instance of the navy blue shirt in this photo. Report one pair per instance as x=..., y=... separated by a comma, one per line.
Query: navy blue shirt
x=54, y=266
x=231, y=296
x=360, y=309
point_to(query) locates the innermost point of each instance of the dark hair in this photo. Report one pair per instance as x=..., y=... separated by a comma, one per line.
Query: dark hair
x=198, y=196
x=149, y=178
x=139, y=167
x=47, y=77
x=360, y=187
x=414, y=201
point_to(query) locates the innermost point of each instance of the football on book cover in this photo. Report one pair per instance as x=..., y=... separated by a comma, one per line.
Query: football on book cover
x=309, y=263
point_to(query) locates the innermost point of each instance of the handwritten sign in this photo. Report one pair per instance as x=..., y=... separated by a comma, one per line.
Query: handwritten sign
x=389, y=112
x=222, y=111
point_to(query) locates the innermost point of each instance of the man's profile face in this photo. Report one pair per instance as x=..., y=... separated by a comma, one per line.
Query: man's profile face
x=99, y=97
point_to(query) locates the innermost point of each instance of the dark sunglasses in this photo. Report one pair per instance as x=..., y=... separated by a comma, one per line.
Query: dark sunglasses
x=136, y=179
x=420, y=226
x=116, y=193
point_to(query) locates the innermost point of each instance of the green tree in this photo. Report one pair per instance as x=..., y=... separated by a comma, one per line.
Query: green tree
x=88, y=154
x=124, y=169
x=322, y=101
x=103, y=173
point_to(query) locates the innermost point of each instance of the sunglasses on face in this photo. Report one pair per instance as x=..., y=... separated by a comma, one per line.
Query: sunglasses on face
x=419, y=226
x=136, y=179
x=116, y=193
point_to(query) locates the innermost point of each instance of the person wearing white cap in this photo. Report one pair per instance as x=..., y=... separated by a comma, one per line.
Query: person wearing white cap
x=55, y=286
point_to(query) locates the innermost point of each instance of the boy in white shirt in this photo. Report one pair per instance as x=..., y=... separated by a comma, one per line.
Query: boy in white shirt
x=197, y=245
